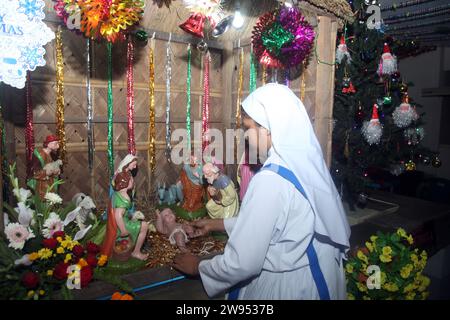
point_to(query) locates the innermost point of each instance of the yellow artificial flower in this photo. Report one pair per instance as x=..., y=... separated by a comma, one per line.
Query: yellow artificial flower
x=387, y=250
x=41, y=292
x=411, y=295
x=349, y=268
x=102, y=260
x=82, y=263
x=373, y=239
x=50, y=273
x=414, y=258
x=369, y=246
x=410, y=287
x=385, y=258
x=391, y=287
x=410, y=239
x=350, y=296
x=68, y=257
x=30, y=294
x=406, y=271
x=366, y=298
x=45, y=253
x=362, y=257
x=59, y=239
x=424, y=255
x=401, y=232
x=33, y=256
x=424, y=283
x=424, y=295
x=361, y=287
x=60, y=250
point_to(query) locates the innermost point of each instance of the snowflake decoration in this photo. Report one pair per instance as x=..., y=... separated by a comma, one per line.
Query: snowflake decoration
x=33, y=57
x=31, y=8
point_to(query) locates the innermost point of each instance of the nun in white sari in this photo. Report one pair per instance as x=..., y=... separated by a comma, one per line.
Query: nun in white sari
x=291, y=235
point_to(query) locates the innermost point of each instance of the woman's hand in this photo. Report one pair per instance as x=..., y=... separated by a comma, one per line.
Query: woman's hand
x=186, y=263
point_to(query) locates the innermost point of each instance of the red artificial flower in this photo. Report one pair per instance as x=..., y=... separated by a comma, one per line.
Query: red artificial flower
x=60, y=271
x=92, y=248
x=59, y=234
x=50, y=243
x=30, y=280
x=86, y=275
x=78, y=250
x=92, y=260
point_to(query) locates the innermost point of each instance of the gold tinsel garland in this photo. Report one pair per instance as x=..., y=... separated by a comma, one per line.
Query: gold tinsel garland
x=60, y=127
x=151, y=128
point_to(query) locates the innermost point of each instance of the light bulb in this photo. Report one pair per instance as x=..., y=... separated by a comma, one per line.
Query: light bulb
x=238, y=20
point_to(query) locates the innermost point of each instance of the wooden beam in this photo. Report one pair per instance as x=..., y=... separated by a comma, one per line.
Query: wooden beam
x=323, y=124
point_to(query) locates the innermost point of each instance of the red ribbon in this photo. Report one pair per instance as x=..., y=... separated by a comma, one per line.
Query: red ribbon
x=130, y=97
x=29, y=130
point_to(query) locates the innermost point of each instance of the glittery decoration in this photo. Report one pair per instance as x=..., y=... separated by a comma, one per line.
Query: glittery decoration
x=372, y=130
x=188, y=99
x=110, y=113
x=410, y=165
x=253, y=75
x=404, y=114
x=108, y=19
x=413, y=136
x=205, y=109
x=90, y=129
x=282, y=38
x=151, y=128
x=168, y=80
x=239, y=99
x=29, y=126
x=130, y=97
x=60, y=127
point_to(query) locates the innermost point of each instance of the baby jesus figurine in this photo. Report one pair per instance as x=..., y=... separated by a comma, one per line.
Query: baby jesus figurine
x=178, y=233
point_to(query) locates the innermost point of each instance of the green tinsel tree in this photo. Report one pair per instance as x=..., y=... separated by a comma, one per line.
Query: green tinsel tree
x=399, y=148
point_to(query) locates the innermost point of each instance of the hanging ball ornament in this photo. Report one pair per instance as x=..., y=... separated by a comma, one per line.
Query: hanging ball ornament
x=141, y=35
x=436, y=162
x=362, y=200
x=410, y=165
x=403, y=87
x=387, y=100
x=202, y=46
x=426, y=160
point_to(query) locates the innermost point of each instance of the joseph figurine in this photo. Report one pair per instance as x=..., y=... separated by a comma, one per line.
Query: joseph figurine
x=44, y=167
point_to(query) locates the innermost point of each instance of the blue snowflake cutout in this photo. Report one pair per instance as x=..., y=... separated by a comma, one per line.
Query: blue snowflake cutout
x=32, y=9
x=33, y=57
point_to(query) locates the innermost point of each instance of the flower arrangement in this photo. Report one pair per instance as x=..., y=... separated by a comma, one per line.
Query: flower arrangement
x=387, y=268
x=42, y=251
x=120, y=296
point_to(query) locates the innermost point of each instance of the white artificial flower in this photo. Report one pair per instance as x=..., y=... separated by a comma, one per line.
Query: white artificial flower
x=22, y=194
x=17, y=234
x=71, y=216
x=53, y=198
x=25, y=214
x=80, y=234
x=52, y=225
x=25, y=261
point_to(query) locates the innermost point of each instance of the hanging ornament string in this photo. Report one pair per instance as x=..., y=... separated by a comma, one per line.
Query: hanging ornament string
x=303, y=82
x=110, y=113
x=264, y=74
x=188, y=99
x=168, y=80
x=60, y=127
x=253, y=75
x=130, y=97
x=151, y=124
x=205, y=111
x=90, y=133
x=29, y=126
x=239, y=99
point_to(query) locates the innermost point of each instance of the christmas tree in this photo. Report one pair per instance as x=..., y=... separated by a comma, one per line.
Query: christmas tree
x=377, y=125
